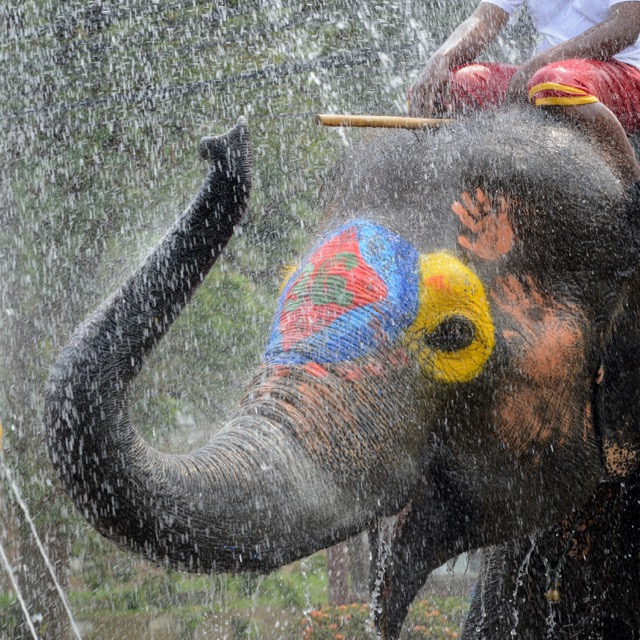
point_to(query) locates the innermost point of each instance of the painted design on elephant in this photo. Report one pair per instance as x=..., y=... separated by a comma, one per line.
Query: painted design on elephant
x=548, y=344
x=582, y=528
x=287, y=272
x=366, y=287
x=453, y=334
x=302, y=402
x=620, y=461
x=373, y=367
x=488, y=231
x=335, y=281
x=587, y=422
x=354, y=291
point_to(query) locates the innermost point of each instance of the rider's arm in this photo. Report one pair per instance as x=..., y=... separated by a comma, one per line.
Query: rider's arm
x=462, y=46
x=620, y=30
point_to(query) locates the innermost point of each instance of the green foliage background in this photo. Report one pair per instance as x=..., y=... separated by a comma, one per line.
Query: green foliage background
x=102, y=105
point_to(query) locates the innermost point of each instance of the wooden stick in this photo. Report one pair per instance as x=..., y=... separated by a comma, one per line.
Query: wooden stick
x=389, y=122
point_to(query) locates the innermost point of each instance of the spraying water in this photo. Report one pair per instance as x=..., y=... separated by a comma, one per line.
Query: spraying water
x=5, y=472
x=103, y=105
x=7, y=565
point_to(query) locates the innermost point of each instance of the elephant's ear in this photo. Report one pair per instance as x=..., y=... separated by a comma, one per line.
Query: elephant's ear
x=617, y=393
x=617, y=396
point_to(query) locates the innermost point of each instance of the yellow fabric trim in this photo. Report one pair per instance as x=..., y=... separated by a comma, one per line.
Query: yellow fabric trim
x=556, y=86
x=566, y=101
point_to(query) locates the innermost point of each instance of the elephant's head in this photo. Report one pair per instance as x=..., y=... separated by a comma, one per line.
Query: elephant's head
x=434, y=355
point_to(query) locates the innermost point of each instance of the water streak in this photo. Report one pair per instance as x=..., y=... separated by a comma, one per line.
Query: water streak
x=6, y=472
x=551, y=618
x=522, y=571
x=304, y=565
x=384, y=532
x=16, y=589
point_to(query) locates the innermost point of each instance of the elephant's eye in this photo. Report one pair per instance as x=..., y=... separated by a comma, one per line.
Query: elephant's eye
x=452, y=334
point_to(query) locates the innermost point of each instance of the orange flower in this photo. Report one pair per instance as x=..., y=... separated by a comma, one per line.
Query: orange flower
x=339, y=636
x=333, y=627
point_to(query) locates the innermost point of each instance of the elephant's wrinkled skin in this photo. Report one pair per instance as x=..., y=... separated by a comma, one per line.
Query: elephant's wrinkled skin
x=591, y=559
x=435, y=354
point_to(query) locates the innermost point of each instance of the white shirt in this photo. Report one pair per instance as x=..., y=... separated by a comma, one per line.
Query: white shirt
x=557, y=21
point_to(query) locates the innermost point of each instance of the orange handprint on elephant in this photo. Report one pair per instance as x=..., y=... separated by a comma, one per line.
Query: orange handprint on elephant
x=488, y=232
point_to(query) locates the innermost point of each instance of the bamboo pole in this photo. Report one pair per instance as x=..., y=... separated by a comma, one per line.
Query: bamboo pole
x=389, y=122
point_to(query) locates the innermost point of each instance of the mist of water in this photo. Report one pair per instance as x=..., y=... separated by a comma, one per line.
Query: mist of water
x=8, y=476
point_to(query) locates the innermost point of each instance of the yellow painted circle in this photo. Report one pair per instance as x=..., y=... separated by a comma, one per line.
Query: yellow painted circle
x=448, y=288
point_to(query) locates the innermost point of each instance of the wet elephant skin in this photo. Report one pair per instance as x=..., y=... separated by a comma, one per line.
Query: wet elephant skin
x=434, y=354
x=590, y=558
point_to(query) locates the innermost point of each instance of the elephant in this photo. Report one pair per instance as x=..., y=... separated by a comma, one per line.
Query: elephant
x=441, y=355
x=577, y=579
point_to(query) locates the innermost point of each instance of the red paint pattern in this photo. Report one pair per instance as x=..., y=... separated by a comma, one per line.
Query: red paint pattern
x=437, y=283
x=336, y=280
x=315, y=369
x=488, y=231
x=548, y=379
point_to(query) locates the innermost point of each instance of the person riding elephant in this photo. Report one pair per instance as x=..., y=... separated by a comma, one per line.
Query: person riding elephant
x=586, y=68
x=433, y=356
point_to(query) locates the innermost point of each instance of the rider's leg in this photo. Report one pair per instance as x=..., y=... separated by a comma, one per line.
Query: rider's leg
x=480, y=85
x=601, y=125
x=601, y=98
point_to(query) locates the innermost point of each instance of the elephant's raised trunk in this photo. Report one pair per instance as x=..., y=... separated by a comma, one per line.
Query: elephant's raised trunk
x=102, y=461
x=253, y=498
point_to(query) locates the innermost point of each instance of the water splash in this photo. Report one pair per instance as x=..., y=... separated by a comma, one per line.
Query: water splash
x=5, y=472
x=384, y=533
x=12, y=578
x=522, y=571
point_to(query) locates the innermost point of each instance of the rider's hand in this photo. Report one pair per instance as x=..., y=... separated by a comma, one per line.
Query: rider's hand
x=518, y=86
x=518, y=90
x=428, y=93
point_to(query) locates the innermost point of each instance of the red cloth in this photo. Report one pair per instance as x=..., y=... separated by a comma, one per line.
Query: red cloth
x=614, y=83
x=480, y=85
